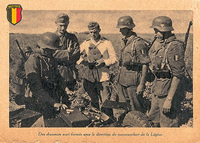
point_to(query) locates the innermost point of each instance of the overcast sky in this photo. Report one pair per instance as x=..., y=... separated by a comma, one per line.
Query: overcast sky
x=42, y=21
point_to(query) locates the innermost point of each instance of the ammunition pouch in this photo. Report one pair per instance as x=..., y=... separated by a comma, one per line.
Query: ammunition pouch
x=163, y=75
x=133, y=67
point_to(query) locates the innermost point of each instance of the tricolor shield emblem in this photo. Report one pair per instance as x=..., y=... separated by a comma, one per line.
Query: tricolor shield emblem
x=14, y=13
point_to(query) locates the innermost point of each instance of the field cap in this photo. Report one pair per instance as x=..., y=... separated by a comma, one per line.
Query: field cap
x=93, y=26
x=48, y=40
x=62, y=19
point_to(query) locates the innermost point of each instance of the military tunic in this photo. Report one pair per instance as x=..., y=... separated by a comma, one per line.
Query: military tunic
x=133, y=57
x=67, y=56
x=96, y=78
x=46, y=84
x=167, y=61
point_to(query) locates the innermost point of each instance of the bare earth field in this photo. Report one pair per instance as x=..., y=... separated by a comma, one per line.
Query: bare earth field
x=186, y=115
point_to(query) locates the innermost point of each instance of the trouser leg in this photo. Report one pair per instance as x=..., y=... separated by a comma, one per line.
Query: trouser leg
x=168, y=119
x=119, y=113
x=154, y=113
x=105, y=95
x=134, y=102
x=92, y=92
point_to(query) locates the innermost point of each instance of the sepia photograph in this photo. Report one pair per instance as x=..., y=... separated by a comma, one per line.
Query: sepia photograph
x=100, y=68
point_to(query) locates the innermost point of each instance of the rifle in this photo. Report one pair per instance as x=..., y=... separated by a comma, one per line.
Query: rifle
x=187, y=35
x=21, y=51
x=187, y=75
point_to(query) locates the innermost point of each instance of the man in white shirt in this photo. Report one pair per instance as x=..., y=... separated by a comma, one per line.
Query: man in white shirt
x=97, y=54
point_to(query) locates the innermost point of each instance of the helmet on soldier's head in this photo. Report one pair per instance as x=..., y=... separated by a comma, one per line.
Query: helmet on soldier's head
x=49, y=40
x=28, y=49
x=125, y=22
x=62, y=19
x=162, y=23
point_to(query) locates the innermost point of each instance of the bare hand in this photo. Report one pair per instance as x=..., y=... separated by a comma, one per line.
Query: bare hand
x=167, y=106
x=99, y=62
x=140, y=89
x=58, y=106
x=69, y=47
x=68, y=92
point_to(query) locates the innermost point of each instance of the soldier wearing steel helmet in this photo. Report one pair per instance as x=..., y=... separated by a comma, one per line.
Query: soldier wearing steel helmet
x=68, y=52
x=134, y=62
x=19, y=87
x=167, y=64
x=43, y=77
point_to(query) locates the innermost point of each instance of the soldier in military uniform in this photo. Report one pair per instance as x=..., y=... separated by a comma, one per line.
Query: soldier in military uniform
x=133, y=63
x=19, y=80
x=167, y=63
x=46, y=84
x=68, y=52
x=97, y=55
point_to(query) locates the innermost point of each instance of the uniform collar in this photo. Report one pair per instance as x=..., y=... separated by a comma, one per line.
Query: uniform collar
x=170, y=39
x=130, y=37
x=61, y=35
x=96, y=43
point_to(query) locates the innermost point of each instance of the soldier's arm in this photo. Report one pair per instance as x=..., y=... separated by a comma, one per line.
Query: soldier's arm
x=177, y=66
x=175, y=58
x=144, y=60
x=75, y=53
x=20, y=72
x=71, y=54
x=111, y=55
x=83, y=54
x=32, y=69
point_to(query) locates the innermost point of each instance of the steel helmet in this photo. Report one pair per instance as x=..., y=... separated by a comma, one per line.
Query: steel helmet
x=28, y=49
x=125, y=22
x=162, y=23
x=49, y=40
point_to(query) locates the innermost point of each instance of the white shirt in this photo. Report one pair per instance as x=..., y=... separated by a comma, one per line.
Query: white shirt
x=104, y=46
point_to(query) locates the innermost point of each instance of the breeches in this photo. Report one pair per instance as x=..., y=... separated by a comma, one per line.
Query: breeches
x=157, y=116
x=98, y=91
x=128, y=95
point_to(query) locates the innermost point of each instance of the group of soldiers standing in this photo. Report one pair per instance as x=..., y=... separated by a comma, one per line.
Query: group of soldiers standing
x=51, y=72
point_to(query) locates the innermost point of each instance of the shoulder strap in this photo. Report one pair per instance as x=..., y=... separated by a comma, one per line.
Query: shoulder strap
x=129, y=42
x=133, y=45
x=164, y=60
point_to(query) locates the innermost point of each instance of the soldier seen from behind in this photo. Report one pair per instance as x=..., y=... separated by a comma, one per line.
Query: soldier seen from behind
x=133, y=63
x=167, y=64
x=68, y=52
x=97, y=54
x=45, y=82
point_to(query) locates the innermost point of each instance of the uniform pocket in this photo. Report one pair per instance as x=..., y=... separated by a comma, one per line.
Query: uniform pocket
x=162, y=86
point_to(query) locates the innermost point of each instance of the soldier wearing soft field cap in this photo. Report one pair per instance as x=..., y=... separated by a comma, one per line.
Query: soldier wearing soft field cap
x=68, y=52
x=97, y=54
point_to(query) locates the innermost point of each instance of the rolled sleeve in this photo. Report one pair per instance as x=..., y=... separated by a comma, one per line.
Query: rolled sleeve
x=142, y=52
x=175, y=58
